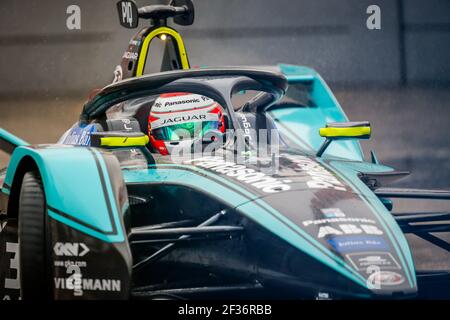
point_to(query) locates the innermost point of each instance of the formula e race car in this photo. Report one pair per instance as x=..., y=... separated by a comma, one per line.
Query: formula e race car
x=209, y=183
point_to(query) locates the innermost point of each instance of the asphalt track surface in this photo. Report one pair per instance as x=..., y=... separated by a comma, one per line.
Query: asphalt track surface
x=411, y=131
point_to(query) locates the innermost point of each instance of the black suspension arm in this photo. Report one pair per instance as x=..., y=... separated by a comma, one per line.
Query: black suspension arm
x=169, y=247
x=412, y=193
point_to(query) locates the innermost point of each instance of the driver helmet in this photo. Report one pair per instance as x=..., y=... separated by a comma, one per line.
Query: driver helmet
x=178, y=119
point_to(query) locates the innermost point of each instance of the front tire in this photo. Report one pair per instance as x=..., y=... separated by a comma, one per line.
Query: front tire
x=32, y=238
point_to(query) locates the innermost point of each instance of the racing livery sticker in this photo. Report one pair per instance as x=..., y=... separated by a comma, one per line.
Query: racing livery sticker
x=77, y=273
x=181, y=101
x=337, y=223
x=345, y=244
x=259, y=180
x=130, y=55
x=332, y=212
x=80, y=135
x=79, y=284
x=129, y=59
x=379, y=279
x=320, y=177
x=70, y=249
x=348, y=228
x=246, y=125
x=363, y=260
x=184, y=118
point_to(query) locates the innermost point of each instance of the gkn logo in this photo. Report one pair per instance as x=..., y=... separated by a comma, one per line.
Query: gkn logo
x=70, y=249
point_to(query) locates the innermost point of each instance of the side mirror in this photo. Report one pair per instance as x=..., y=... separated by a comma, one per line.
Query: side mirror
x=118, y=139
x=343, y=130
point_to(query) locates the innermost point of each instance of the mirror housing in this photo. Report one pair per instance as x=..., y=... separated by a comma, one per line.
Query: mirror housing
x=343, y=130
x=118, y=139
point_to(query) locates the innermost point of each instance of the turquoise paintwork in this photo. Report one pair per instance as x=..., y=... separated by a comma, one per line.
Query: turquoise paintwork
x=301, y=125
x=230, y=193
x=8, y=136
x=348, y=171
x=259, y=210
x=72, y=185
x=72, y=182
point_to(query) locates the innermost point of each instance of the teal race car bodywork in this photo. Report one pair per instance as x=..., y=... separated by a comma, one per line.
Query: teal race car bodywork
x=119, y=219
x=301, y=123
x=103, y=200
x=74, y=191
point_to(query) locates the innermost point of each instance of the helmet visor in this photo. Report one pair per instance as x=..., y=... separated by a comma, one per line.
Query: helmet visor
x=184, y=131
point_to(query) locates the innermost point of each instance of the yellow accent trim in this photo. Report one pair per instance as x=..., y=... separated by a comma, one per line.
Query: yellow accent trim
x=150, y=37
x=344, y=132
x=124, y=141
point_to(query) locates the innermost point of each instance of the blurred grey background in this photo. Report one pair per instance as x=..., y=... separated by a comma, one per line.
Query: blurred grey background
x=39, y=54
x=398, y=77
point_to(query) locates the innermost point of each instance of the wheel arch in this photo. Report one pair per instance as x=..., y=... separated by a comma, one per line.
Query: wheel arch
x=80, y=209
x=26, y=164
x=75, y=180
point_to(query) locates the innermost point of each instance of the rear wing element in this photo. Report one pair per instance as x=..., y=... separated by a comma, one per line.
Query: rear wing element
x=9, y=142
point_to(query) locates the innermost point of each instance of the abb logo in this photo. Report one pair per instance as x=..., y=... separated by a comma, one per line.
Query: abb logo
x=70, y=249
